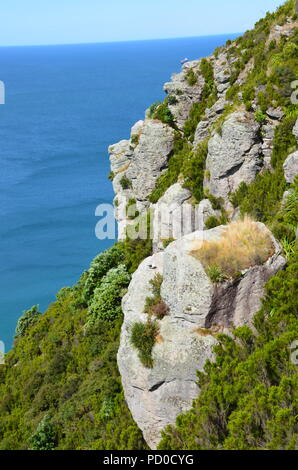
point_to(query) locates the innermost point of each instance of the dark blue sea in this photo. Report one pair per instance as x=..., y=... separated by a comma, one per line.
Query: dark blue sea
x=64, y=106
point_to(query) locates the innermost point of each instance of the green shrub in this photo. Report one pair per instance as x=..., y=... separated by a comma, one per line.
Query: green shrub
x=135, y=139
x=125, y=182
x=155, y=305
x=131, y=209
x=161, y=112
x=196, y=114
x=215, y=274
x=99, y=268
x=191, y=77
x=71, y=373
x=135, y=252
x=143, y=337
x=172, y=100
x=212, y=222
x=284, y=140
x=108, y=409
x=264, y=101
x=106, y=301
x=193, y=170
x=260, y=117
x=181, y=151
x=232, y=92
x=27, y=320
x=167, y=242
x=45, y=436
x=217, y=202
x=209, y=97
x=263, y=195
x=284, y=225
x=238, y=196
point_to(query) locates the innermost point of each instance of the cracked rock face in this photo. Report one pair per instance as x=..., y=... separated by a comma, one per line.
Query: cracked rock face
x=234, y=156
x=142, y=159
x=150, y=157
x=168, y=213
x=198, y=309
x=185, y=95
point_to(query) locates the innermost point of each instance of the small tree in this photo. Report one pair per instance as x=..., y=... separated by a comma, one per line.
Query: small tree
x=45, y=436
x=28, y=319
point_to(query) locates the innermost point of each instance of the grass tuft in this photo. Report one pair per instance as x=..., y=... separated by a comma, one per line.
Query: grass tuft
x=242, y=245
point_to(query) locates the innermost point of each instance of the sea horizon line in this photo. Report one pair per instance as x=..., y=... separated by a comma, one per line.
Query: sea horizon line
x=121, y=41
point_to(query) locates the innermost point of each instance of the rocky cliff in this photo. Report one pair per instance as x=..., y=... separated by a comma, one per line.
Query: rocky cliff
x=217, y=104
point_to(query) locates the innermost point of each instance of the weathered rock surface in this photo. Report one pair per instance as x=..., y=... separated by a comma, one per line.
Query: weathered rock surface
x=202, y=131
x=291, y=167
x=278, y=31
x=150, y=157
x=268, y=131
x=193, y=298
x=185, y=95
x=234, y=156
x=142, y=159
x=198, y=309
x=275, y=113
x=120, y=156
x=173, y=216
x=156, y=396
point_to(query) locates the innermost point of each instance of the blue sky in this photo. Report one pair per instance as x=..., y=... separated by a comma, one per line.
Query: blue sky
x=78, y=21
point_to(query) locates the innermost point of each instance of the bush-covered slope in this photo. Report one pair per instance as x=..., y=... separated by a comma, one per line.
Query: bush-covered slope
x=60, y=387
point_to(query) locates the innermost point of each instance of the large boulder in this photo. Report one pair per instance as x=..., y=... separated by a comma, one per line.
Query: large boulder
x=193, y=298
x=234, y=155
x=141, y=160
x=172, y=209
x=156, y=396
x=150, y=157
x=291, y=167
x=198, y=310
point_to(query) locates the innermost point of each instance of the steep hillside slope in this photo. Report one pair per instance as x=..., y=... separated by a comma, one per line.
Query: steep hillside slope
x=222, y=145
x=226, y=145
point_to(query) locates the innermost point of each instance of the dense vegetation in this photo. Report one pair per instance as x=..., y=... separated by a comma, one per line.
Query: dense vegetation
x=60, y=387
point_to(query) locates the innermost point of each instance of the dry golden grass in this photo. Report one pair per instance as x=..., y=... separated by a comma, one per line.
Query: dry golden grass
x=242, y=245
x=203, y=332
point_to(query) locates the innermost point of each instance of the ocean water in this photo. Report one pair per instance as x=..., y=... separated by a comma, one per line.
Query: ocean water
x=64, y=106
